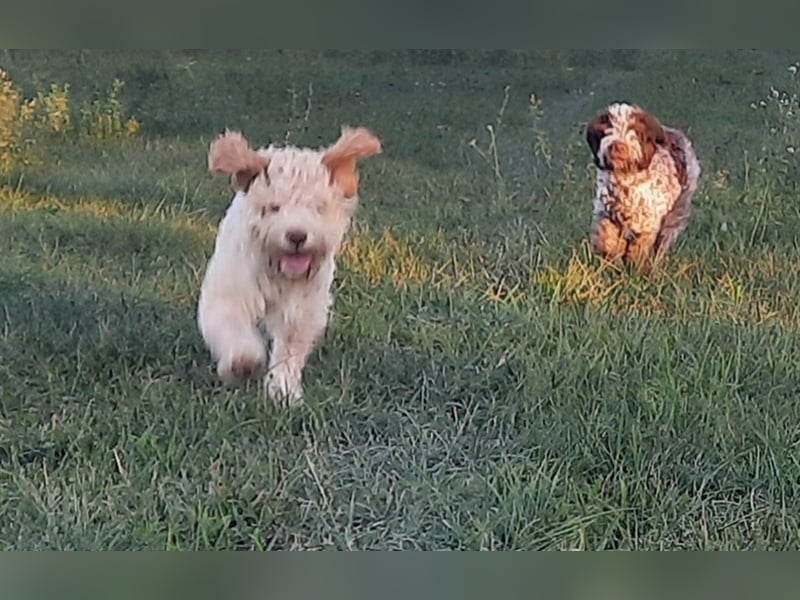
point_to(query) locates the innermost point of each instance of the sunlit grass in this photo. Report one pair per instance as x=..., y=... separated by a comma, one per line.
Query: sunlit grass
x=12, y=201
x=412, y=261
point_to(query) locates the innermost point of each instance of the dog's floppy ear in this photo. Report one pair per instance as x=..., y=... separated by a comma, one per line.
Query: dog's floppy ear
x=654, y=130
x=340, y=158
x=231, y=154
x=650, y=133
x=595, y=131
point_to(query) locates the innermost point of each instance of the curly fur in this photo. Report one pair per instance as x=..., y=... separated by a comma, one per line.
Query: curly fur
x=646, y=177
x=274, y=256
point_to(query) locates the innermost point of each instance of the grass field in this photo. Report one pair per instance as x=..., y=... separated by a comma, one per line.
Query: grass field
x=485, y=383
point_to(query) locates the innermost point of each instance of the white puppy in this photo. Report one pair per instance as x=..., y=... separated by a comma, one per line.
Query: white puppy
x=273, y=261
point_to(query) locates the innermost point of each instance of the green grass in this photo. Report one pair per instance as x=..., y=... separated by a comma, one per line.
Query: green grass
x=485, y=382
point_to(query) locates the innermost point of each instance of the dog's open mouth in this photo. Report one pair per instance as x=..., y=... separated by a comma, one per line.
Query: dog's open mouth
x=295, y=264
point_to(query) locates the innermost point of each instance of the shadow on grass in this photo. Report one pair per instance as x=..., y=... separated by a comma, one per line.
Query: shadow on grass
x=89, y=335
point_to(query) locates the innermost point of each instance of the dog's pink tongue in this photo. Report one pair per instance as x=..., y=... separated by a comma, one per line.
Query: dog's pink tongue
x=296, y=264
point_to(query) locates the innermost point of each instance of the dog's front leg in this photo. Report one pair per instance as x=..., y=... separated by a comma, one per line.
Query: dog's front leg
x=231, y=335
x=291, y=345
x=640, y=249
x=606, y=238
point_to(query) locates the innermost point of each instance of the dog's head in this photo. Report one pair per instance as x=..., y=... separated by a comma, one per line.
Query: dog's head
x=300, y=201
x=624, y=138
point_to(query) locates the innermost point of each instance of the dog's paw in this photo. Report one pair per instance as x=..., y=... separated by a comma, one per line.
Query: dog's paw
x=241, y=366
x=284, y=387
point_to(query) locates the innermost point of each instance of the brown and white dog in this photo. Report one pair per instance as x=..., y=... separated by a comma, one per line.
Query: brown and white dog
x=646, y=177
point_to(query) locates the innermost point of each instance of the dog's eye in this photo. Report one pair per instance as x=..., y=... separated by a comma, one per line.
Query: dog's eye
x=273, y=208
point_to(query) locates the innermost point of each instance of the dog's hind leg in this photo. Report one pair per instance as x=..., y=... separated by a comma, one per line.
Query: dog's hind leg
x=676, y=220
x=673, y=224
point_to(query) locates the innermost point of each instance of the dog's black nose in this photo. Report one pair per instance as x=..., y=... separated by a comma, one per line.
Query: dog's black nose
x=296, y=237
